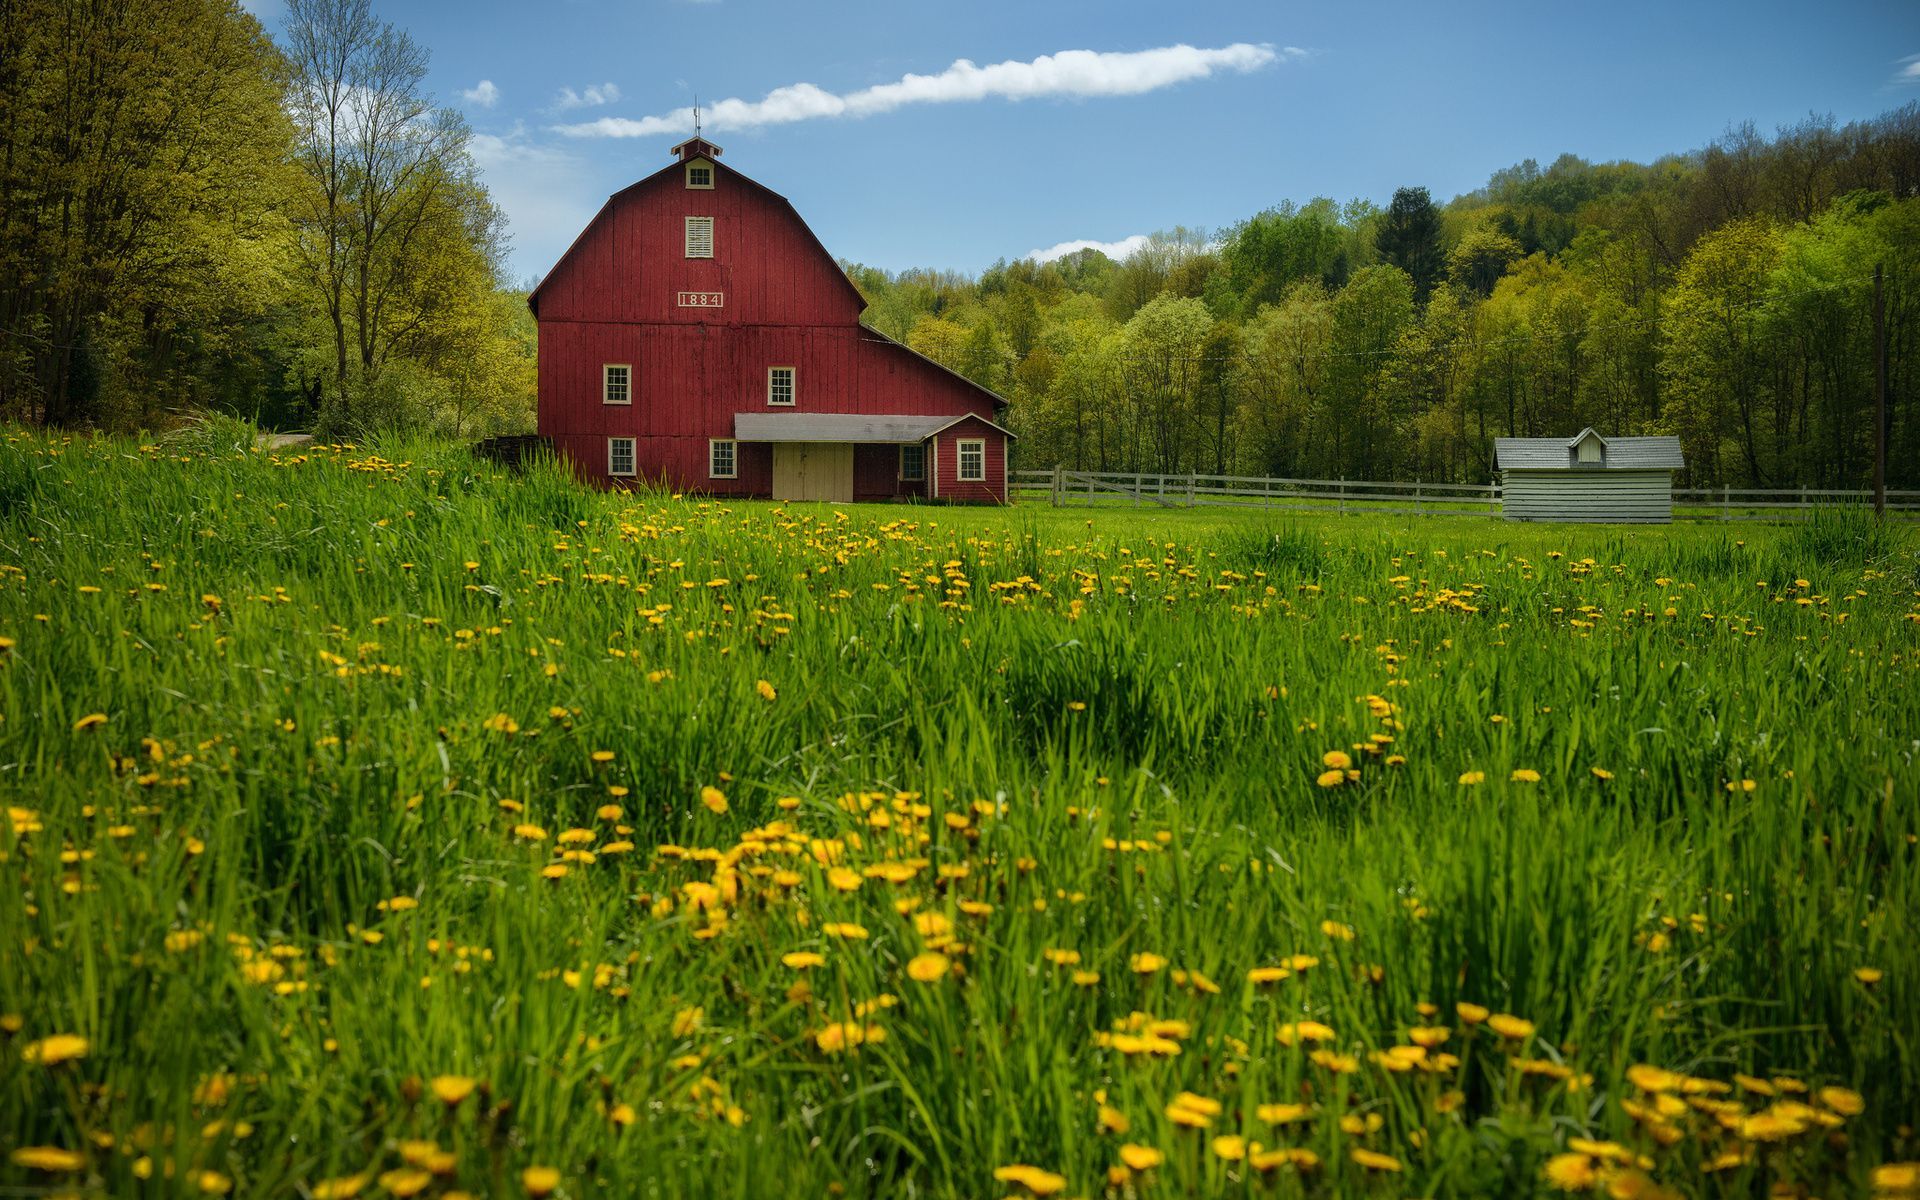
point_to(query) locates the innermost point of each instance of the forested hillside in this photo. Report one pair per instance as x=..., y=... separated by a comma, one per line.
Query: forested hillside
x=195, y=216
x=1723, y=295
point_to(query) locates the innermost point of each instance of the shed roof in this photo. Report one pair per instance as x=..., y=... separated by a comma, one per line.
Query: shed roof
x=844, y=427
x=1661, y=452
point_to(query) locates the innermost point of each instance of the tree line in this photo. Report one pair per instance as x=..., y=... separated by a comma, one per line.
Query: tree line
x=194, y=217
x=1723, y=295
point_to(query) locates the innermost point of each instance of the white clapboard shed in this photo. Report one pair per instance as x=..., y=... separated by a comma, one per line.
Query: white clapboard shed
x=1587, y=477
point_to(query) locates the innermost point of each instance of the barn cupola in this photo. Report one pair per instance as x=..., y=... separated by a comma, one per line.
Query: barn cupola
x=695, y=147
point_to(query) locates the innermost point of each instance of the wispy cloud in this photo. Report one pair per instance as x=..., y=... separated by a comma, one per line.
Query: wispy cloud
x=1068, y=73
x=484, y=93
x=1909, y=72
x=1114, y=250
x=592, y=97
x=548, y=193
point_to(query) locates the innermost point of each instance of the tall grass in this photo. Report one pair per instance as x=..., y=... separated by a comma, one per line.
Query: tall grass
x=336, y=678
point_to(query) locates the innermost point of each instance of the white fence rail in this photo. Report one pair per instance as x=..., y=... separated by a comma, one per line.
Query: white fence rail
x=1061, y=486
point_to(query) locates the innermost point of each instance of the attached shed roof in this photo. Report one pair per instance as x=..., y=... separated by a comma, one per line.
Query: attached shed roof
x=1556, y=454
x=843, y=427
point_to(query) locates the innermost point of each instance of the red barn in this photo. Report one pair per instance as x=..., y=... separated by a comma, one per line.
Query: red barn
x=698, y=335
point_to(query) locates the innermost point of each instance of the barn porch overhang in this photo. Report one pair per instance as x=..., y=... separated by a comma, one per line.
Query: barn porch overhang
x=857, y=428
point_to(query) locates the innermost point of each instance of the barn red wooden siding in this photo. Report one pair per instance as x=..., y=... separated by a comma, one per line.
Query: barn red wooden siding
x=613, y=298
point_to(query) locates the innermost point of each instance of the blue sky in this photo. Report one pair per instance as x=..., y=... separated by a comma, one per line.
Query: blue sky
x=1268, y=101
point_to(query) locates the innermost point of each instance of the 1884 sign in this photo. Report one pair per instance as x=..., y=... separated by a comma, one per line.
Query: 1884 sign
x=703, y=299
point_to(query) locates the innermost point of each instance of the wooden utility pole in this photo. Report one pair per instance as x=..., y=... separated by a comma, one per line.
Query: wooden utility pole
x=1879, y=396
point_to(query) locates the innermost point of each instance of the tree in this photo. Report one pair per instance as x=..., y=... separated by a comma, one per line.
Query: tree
x=1164, y=341
x=391, y=204
x=1715, y=365
x=140, y=145
x=1408, y=237
x=1480, y=258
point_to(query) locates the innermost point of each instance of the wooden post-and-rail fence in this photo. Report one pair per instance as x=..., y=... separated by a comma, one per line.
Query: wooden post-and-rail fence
x=1060, y=487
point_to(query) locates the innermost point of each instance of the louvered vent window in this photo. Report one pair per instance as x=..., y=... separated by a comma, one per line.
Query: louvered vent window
x=699, y=237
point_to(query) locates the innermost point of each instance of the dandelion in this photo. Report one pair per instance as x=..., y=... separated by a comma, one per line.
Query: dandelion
x=52, y=1051
x=405, y=1181
x=1339, y=760
x=766, y=691
x=1145, y=963
x=51, y=1159
x=1868, y=975
x=1331, y=778
x=452, y=1089
x=1374, y=1161
x=1509, y=1026
x=89, y=721
x=1472, y=1014
x=1601, y=773
x=1469, y=778
x=539, y=1181
x=714, y=799
x=1570, y=1172
x=1036, y=1181
x=1524, y=775
x=1141, y=1158
x=930, y=967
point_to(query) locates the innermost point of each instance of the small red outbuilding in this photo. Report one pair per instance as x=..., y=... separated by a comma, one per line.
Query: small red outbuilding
x=697, y=335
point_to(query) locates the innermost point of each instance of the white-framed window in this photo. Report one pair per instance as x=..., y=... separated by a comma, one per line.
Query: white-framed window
x=620, y=456
x=780, y=386
x=616, y=383
x=699, y=237
x=913, y=462
x=722, y=459
x=699, y=175
x=973, y=460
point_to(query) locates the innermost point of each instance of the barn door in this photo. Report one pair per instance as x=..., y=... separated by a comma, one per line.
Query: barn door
x=813, y=471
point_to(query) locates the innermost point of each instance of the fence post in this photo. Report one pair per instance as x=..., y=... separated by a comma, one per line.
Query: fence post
x=1191, y=481
x=1343, y=495
x=1056, y=484
x=1726, y=503
x=1416, y=499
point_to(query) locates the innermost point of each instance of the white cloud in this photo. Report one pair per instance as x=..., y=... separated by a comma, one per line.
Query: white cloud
x=547, y=193
x=1114, y=250
x=483, y=93
x=1909, y=71
x=592, y=97
x=1068, y=73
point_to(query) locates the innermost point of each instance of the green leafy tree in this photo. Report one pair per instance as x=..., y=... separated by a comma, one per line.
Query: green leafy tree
x=1408, y=237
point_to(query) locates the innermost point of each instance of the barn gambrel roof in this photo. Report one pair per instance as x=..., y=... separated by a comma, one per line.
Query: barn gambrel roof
x=1655, y=453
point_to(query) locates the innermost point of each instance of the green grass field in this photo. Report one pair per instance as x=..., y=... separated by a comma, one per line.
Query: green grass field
x=384, y=824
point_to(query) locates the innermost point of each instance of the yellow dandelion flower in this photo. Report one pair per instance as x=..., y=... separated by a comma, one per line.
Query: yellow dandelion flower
x=1473, y=777
x=766, y=691
x=539, y=1181
x=930, y=967
x=1338, y=759
x=452, y=1089
x=52, y=1051
x=1036, y=1181
x=51, y=1159
x=1374, y=1161
x=89, y=721
x=714, y=799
